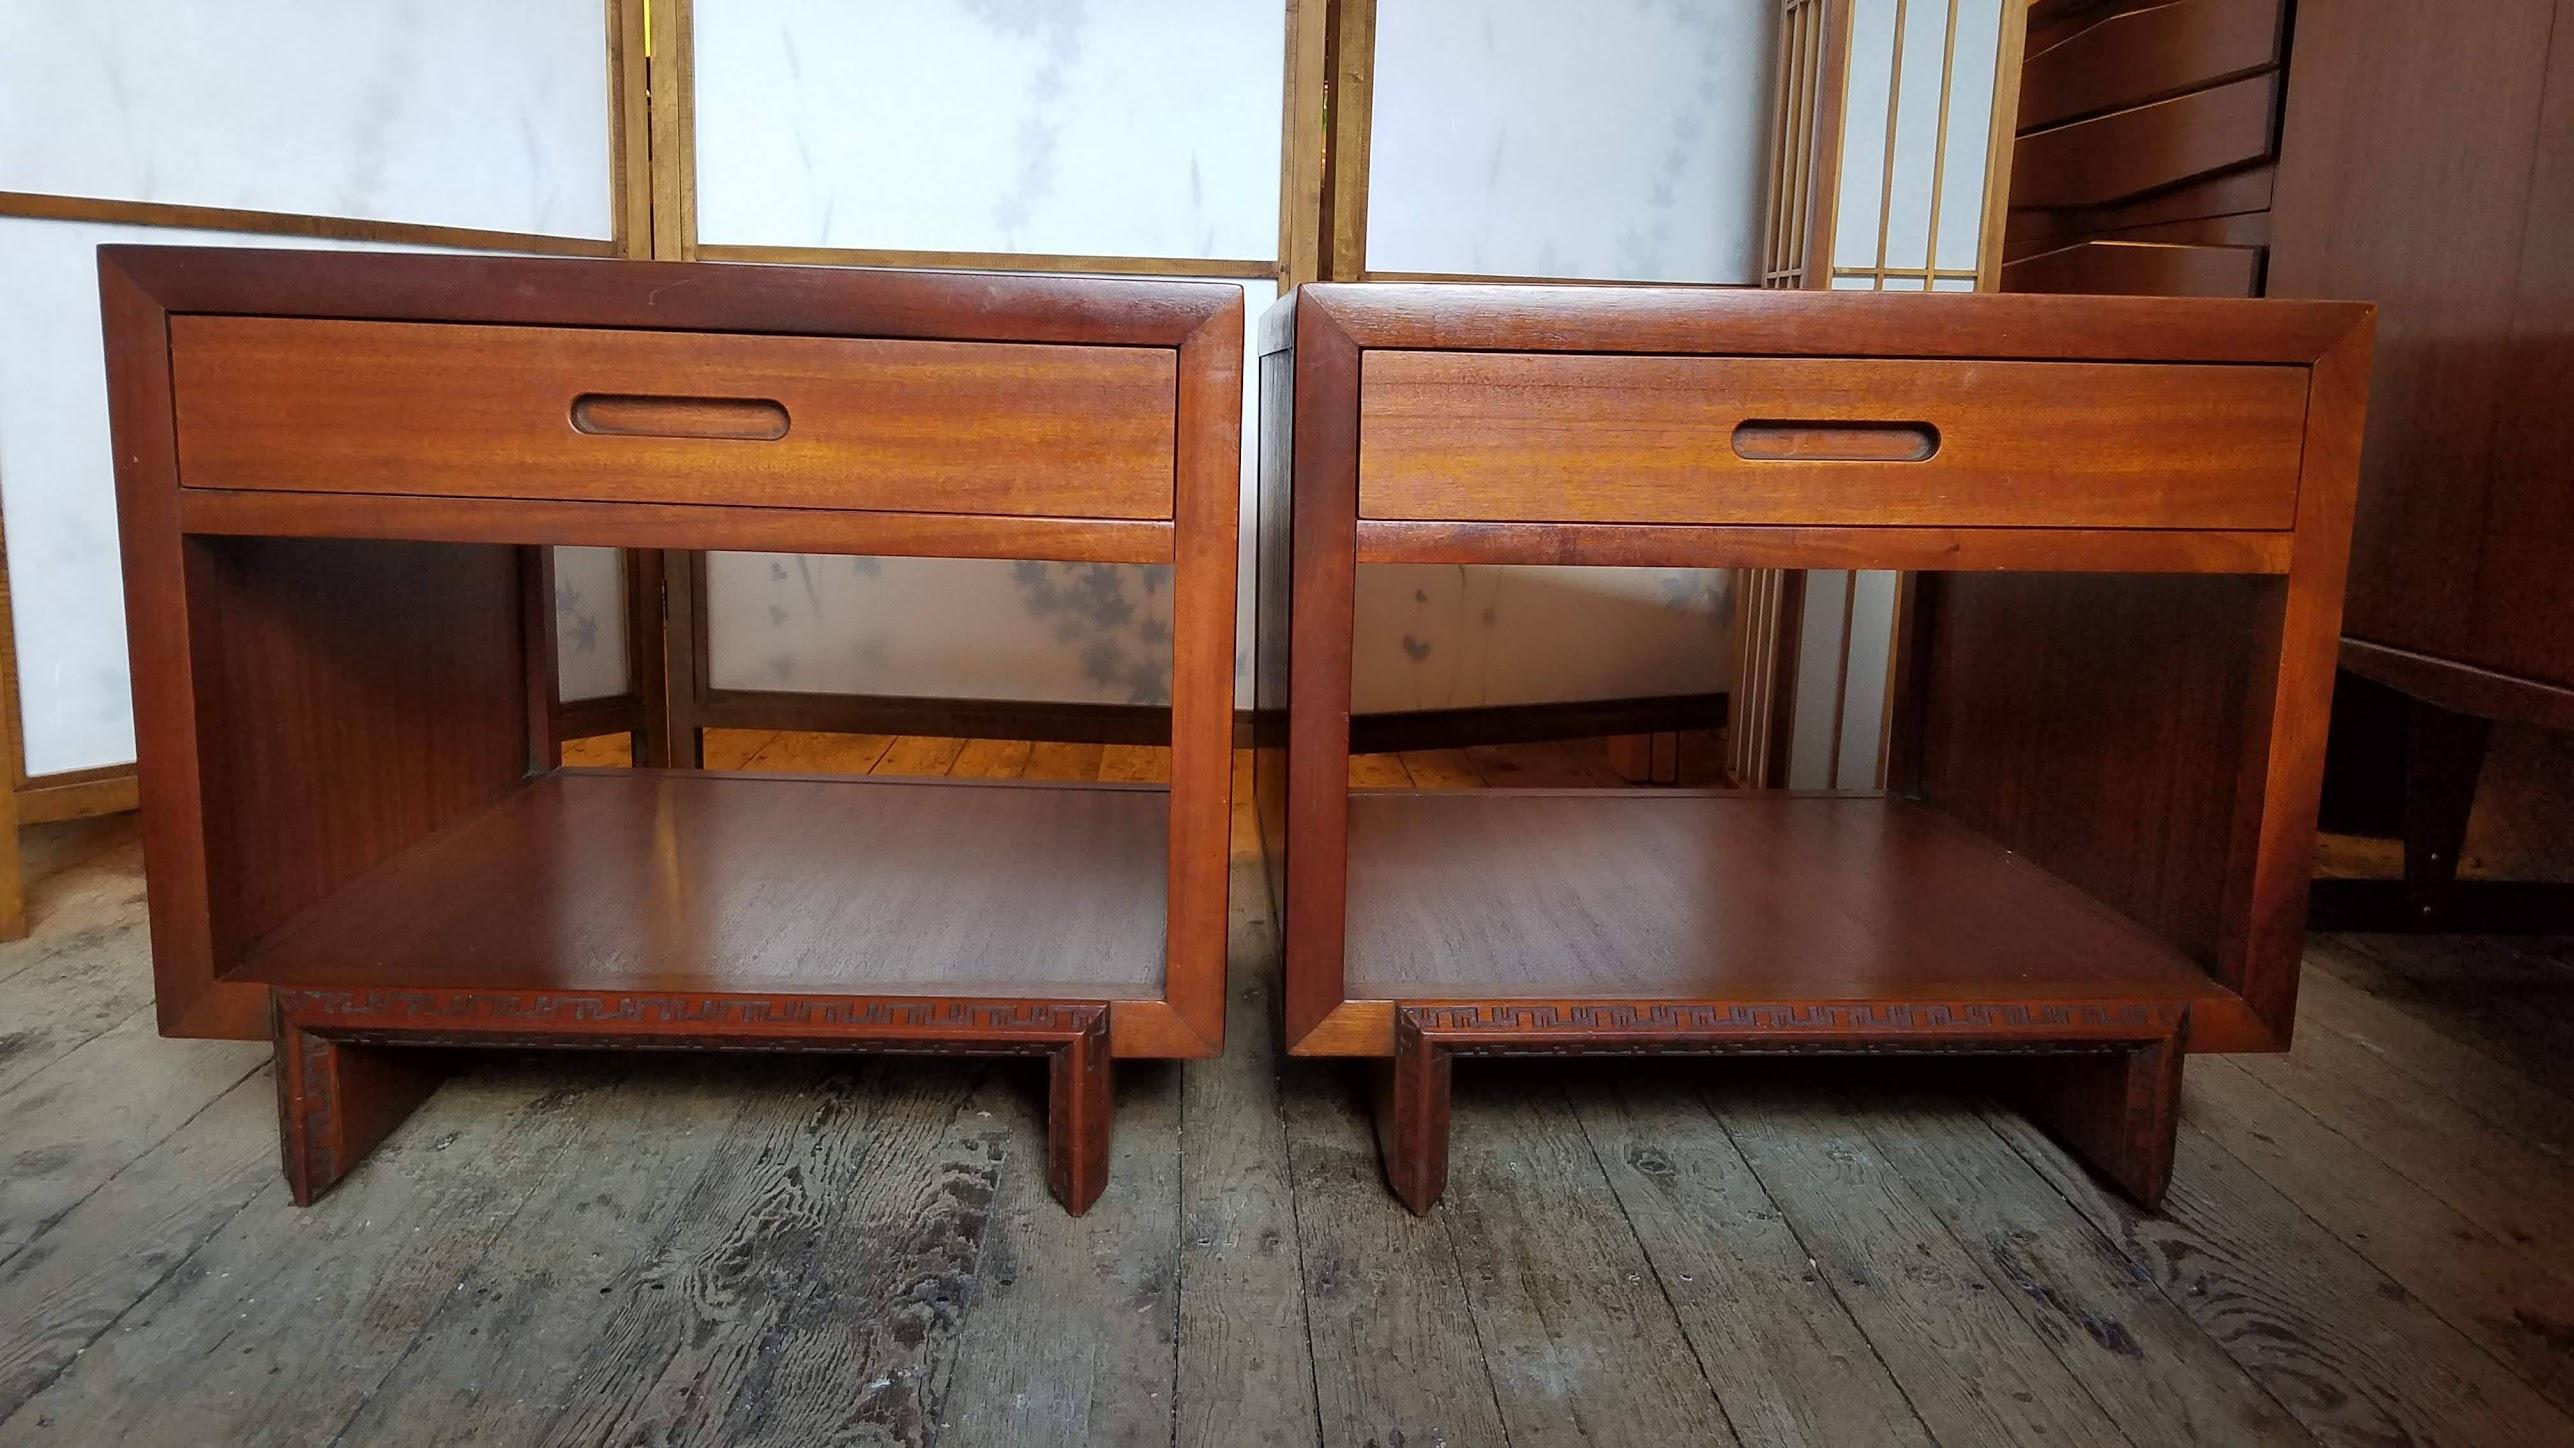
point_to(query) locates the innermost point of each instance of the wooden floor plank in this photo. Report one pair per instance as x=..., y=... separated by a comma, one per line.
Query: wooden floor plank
x=687, y=1347
x=85, y=965
x=919, y=755
x=2519, y=1193
x=1576, y=764
x=1787, y=1362
x=1973, y=1369
x=2337, y=1342
x=1135, y=763
x=2147, y=1363
x=796, y=751
x=2368, y=1230
x=1378, y=771
x=2508, y=1002
x=72, y=1126
x=91, y=880
x=1073, y=1335
x=2512, y=1295
x=1246, y=1370
x=991, y=759
x=1051, y=760
x=1581, y=1343
x=1396, y=1357
x=1440, y=769
x=2429, y=1062
x=491, y=1365
x=872, y=1348
x=284, y=1323
x=733, y=748
x=84, y=1272
x=605, y=751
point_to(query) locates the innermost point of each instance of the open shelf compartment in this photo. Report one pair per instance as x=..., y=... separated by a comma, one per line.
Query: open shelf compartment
x=1721, y=896
x=686, y=881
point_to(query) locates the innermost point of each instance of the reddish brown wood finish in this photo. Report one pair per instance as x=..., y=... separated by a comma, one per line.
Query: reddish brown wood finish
x=624, y=416
x=2119, y=1111
x=2111, y=778
x=2423, y=164
x=2108, y=1077
x=1535, y=437
x=352, y=1063
x=2135, y=55
x=345, y=695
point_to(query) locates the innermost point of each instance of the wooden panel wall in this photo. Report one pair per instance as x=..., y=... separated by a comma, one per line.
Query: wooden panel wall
x=389, y=682
x=2122, y=780
x=2147, y=146
x=2429, y=167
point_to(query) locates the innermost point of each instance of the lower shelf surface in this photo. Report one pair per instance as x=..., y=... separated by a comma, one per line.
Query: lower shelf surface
x=675, y=881
x=1648, y=895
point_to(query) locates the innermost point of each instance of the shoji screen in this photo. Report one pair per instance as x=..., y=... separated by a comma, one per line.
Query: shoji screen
x=1520, y=138
x=482, y=124
x=1915, y=208
x=1141, y=137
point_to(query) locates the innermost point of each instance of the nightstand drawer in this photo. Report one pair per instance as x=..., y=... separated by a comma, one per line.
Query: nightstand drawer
x=673, y=417
x=1566, y=437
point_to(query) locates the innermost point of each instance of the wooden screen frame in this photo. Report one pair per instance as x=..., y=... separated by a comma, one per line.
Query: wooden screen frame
x=112, y=789
x=689, y=702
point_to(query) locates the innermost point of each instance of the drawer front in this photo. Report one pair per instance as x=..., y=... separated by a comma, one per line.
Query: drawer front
x=2125, y=154
x=2138, y=269
x=674, y=417
x=2133, y=56
x=1498, y=436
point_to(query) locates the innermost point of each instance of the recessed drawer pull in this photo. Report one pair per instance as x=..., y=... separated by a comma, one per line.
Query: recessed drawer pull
x=1762, y=440
x=618, y=414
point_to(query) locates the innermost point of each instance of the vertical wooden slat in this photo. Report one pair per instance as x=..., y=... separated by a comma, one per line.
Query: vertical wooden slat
x=1841, y=678
x=1353, y=72
x=1894, y=108
x=13, y=879
x=629, y=130
x=1939, y=145
x=673, y=132
x=1823, y=179
x=1776, y=168
x=1302, y=143
x=631, y=172
x=1997, y=150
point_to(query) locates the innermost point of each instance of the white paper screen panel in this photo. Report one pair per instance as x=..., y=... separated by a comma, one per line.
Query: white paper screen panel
x=589, y=623
x=1138, y=128
x=1916, y=144
x=475, y=113
x=966, y=628
x=1922, y=202
x=58, y=486
x=1619, y=141
x=1440, y=637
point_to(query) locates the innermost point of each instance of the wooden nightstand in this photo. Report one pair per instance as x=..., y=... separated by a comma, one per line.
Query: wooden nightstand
x=2130, y=521
x=336, y=475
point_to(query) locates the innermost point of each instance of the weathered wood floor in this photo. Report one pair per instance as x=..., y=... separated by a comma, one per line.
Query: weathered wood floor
x=2369, y=1240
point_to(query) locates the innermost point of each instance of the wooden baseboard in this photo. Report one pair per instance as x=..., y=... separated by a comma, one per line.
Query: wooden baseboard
x=76, y=794
x=1532, y=723
x=1141, y=724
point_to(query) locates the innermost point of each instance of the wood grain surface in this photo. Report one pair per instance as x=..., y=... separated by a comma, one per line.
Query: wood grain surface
x=612, y=416
x=652, y=881
x=1546, y=438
